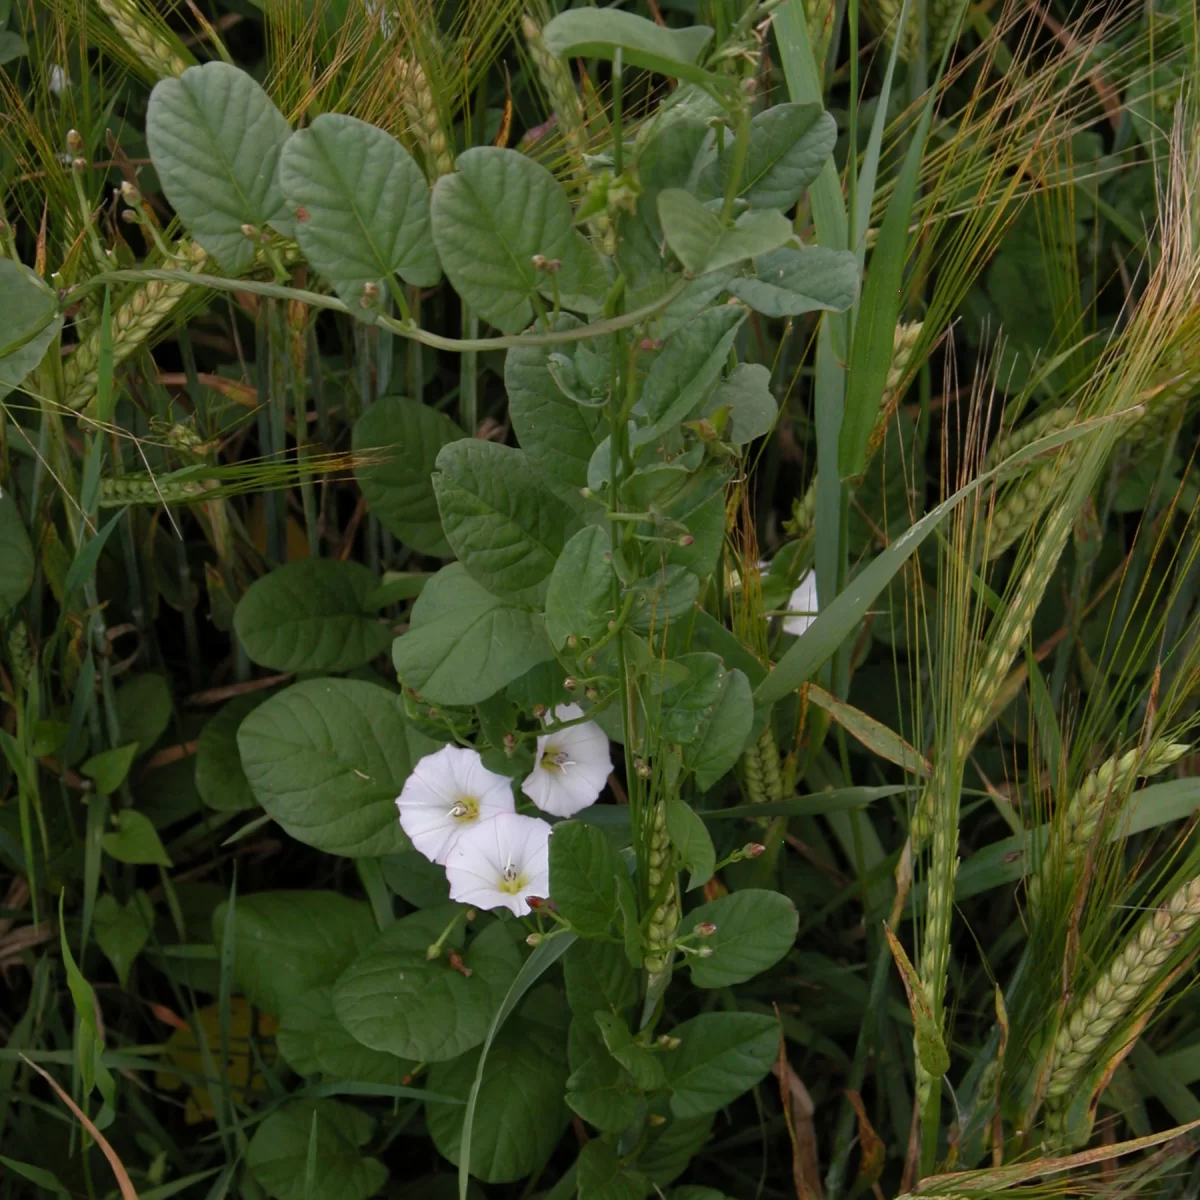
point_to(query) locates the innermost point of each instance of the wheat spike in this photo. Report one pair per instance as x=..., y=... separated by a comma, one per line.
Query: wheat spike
x=940, y=15
x=146, y=42
x=1090, y=1023
x=664, y=921
x=425, y=124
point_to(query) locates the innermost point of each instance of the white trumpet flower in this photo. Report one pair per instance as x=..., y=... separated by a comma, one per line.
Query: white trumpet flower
x=500, y=863
x=802, y=606
x=448, y=792
x=572, y=766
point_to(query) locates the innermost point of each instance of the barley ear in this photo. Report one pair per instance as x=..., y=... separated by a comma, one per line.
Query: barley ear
x=149, y=44
x=664, y=893
x=424, y=123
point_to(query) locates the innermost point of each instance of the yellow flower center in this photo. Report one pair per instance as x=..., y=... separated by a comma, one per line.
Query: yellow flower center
x=512, y=880
x=554, y=759
x=466, y=809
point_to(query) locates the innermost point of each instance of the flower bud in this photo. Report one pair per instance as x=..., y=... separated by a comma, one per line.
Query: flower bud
x=650, y=344
x=753, y=849
x=129, y=216
x=74, y=141
x=539, y=710
x=704, y=952
x=570, y=683
x=656, y=1119
x=539, y=262
x=129, y=192
x=572, y=641
x=510, y=744
x=592, y=694
x=79, y=165
x=642, y=767
x=457, y=963
x=249, y=231
x=534, y=939
x=686, y=540
x=706, y=929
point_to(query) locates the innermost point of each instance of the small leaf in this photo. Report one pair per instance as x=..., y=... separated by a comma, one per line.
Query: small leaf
x=689, y=835
x=873, y=734
x=599, y=1089
x=135, y=840
x=311, y=615
x=594, y=33
x=586, y=877
x=400, y=441
x=220, y=779
x=789, y=282
x=598, y=978
x=642, y=1063
x=602, y=1176
x=463, y=644
x=931, y=1049
x=687, y=707
x=724, y=731
x=579, y=596
x=144, y=709
x=755, y=929
x=89, y=1041
x=722, y=1055
x=29, y=322
x=289, y=941
x=505, y=529
x=490, y=218
x=16, y=553
x=327, y=758
x=361, y=206
x=122, y=930
x=746, y=398
x=703, y=243
x=215, y=139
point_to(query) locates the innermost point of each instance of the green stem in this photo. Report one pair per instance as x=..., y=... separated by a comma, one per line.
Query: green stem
x=740, y=147
x=468, y=400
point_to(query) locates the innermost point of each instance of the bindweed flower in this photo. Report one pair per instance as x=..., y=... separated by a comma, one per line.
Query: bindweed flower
x=501, y=863
x=572, y=766
x=58, y=80
x=802, y=605
x=449, y=792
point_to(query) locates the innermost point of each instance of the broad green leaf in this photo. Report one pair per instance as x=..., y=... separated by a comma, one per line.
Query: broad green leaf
x=16, y=552
x=12, y=46
x=670, y=1147
x=688, y=365
x=643, y=1064
x=314, y=1041
x=135, y=840
x=220, y=779
x=602, y=1176
x=579, y=596
x=724, y=731
x=688, y=707
x=122, y=929
x=558, y=435
x=215, y=139
x=876, y=736
x=598, y=978
x=789, y=144
x=519, y=1110
x=311, y=615
x=722, y=1055
x=144, y=709
x=931, y=1049
x=327, y=758
x=746, y=399
x=663, y=598
x=703, y=243
x=325, y=1134
x=361, y=206
x=285, y=943
x=586, y=877
x=400, y=440
x=490, y=218
x=463, y=644
x=29, y=322
x=394, y=998
x=755, y=929
x=415, y=879
x=505, y=529
x=599, y=1089
x=689, y=836
x=788, y=282
x=596, y=33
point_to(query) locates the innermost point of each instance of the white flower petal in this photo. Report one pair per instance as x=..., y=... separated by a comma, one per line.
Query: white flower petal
x=572, y=766
x=500, y=863
x=803, y=605
x=453, y=777
x=59, y=80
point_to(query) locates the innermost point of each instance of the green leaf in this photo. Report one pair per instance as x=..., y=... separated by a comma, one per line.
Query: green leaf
x=16, y=553
x=873, y=734
x=29, y=322
x=596, y=33
x=325, y=1132
x=690, y=837
x=788, y=282
x=400, y=440
x=579, y=594
x=688, y=707
x=558, y=435
x=725, y=729
x=663, y=598
x=314, y=1041
x=505, y=529
x=670, y=1147
x=122, y=929
x=703, y=243
x=144, y=709
x=89, y=1042
x=931, y=1049
x=599, y=1089
x=722, y=1056
x=289, y=941
x=135, y=840
x=749, y=405
x=463, y=644
x=39, y=1175
x=586, y=877
x=361, y=206
x=327, y=758
x=598, y=978
x=602, y=1176
x=789, y=144
x=215, y=139
x=311, y=615
x=755, y=929
x=642, y=1063
x=490, y=218
x=11, y=46
x=395, y=999
x=220, y=779
x=519, y=1110
x=688, y=365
